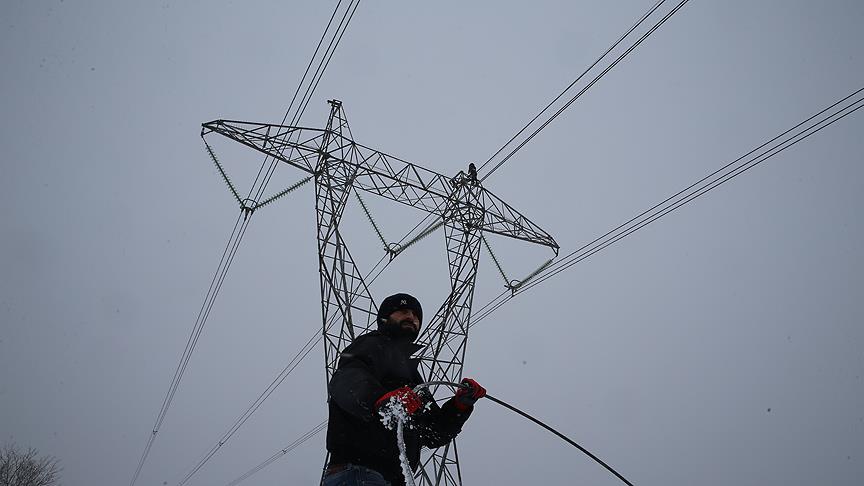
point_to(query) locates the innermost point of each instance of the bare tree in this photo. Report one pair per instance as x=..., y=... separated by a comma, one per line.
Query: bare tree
x=19, y=468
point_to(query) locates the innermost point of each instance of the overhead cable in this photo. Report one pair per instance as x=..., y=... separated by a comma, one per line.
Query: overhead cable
x=586, y=88
x=570, y=86
x=813, y=124
x=228, y=254
x=302, y=81
x=282, y=452
x=313, y=83
x=785, y=140
x=295, y=361
x=215, y=284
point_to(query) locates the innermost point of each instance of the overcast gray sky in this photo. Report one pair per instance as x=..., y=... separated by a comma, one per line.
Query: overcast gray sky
x=720, y=345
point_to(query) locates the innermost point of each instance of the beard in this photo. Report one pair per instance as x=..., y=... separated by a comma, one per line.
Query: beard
x=400, y=329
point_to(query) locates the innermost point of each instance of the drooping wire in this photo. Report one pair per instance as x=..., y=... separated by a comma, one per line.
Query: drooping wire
x=323, y=425
x=428, y=384
x=562, y=436
x=589, y=85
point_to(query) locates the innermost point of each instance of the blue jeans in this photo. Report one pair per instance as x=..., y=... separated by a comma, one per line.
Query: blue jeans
x=355, y=476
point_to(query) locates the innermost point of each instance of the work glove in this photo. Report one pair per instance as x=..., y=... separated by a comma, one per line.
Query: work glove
x=411, y=401
x=467, y=395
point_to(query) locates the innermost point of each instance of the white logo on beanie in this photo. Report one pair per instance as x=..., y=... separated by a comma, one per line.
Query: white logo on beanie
x=403, y=302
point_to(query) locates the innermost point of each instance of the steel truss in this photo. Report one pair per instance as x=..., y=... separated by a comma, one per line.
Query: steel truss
x=467, y=210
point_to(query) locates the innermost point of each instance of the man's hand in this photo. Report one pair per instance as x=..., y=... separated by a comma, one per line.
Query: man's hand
x=468, y=393
x=410, y=400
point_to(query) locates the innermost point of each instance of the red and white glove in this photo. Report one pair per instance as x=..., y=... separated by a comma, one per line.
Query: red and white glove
x=467, y=395
x=410, y=400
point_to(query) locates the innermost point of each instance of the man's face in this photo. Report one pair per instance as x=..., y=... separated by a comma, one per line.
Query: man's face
x=406, y=319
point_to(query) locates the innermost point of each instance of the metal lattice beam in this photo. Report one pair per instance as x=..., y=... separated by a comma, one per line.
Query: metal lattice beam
x=382, y=174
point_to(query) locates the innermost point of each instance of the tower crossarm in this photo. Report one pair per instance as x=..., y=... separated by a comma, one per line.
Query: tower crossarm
x=384, y=175
x=500, y=218
x=296, y=146
x=408, y=183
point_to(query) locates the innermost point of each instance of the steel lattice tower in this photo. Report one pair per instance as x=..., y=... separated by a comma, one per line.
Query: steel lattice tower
x=465, y=208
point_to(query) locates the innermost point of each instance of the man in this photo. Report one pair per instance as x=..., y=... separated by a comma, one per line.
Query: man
x=376, y=372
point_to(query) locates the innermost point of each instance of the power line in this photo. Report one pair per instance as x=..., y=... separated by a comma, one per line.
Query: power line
x=573, y=83
x=823, y=119
x=337, y=38
x=313, y=84
x=302, y=80
x=215, y=284
x=282, y=452
x=713, y=180
x=228, y=255
x=295, y=361
x=586, y=88
x=549, y=105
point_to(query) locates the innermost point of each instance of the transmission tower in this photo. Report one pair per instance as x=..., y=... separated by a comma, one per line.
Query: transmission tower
x=339, y=166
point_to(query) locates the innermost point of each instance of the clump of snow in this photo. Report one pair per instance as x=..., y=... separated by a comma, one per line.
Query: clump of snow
x=393, y=415
x=391, y=412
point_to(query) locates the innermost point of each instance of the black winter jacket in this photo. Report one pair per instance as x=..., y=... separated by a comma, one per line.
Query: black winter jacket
x=369, y=367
